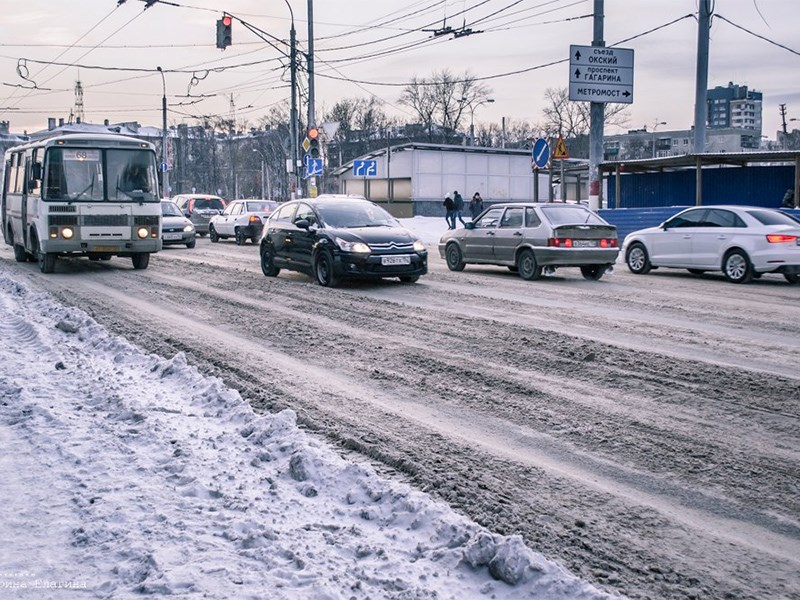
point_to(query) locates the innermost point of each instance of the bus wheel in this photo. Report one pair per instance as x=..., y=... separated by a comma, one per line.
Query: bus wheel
x=19, y=253
x=141, y=260
x=47, y=261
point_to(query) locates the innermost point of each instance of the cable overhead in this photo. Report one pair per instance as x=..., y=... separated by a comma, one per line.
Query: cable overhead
x=761, y=37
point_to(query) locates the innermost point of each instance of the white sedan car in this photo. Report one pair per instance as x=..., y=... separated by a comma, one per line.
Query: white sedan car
x=242, y=220
x=741, y=241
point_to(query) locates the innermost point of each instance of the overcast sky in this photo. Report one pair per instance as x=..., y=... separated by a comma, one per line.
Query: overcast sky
x=366, y=47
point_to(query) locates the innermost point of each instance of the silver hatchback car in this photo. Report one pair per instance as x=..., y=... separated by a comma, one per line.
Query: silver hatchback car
x=534, y=238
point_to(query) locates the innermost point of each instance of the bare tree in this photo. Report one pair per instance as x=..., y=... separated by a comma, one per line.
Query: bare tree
x=441, y=101
x=571, y=119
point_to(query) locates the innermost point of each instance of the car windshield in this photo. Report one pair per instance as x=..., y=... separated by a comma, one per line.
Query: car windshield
x=772, y=217
x=571, y=215
x=264, y=206
x=209, y=203
x=355, y=214
x=170, y=209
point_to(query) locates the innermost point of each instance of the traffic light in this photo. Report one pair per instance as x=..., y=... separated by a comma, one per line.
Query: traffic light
x=224, y=31
x=313, y=141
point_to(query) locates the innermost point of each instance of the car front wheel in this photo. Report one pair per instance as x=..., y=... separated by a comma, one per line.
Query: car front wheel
x=638, y=260
x=527, y=266
x=323, y=269
x=212, y=234
x=268, y=262
x=455, y=262
x=793, y=278
x=736, y=267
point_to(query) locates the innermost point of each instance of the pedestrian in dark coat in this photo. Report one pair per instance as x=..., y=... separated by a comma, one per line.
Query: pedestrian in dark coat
x=788, y=199
x=459, y=202
x=449, y=212
x=476, y=205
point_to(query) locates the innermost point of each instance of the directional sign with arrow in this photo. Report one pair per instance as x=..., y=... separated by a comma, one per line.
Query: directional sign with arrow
x=600, y=74
x=541, y=153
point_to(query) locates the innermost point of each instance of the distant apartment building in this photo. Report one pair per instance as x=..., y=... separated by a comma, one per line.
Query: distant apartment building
x=734, y=106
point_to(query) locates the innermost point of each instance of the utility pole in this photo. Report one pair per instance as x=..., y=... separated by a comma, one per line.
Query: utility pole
x=293, y=125
x=164, y=140
x=311, y=115
x=596, y=116
x=701, y=85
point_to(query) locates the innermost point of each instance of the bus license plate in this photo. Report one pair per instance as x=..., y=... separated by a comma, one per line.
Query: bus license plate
x=396, y=260
x=105, y=249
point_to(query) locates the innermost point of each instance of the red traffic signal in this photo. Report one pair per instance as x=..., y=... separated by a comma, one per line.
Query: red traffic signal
x=224, y=35
x=313, y=139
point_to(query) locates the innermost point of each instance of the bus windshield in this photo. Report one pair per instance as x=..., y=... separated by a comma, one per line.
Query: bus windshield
x=93, y=174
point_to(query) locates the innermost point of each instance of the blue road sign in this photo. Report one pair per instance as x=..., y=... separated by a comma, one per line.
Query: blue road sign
x=541, y=153
x=365, y=168
x=164, y=167
x=313, y=166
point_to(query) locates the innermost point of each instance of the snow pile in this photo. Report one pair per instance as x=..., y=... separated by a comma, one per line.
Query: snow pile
x=125, y=473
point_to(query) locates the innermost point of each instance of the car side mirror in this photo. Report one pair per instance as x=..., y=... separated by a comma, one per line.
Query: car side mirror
x=302, y=224
x=469, y=225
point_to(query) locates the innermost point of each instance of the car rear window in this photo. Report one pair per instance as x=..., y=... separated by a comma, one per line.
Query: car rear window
x=261, y=206
x=772, y=217
x=213, y=203
x=571, y=215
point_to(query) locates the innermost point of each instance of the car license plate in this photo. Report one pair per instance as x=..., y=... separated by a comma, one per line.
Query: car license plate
x=584, y=243
x=396, y=260
x=173, y=236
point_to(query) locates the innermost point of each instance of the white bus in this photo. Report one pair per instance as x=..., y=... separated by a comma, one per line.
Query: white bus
x=81, y=195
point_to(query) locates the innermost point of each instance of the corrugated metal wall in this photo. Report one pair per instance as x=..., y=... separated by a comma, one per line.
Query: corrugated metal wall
x=754, y=186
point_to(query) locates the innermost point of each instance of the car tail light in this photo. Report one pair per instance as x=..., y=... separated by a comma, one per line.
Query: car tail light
x=254, y=219
x=560, y=242
x=778, y=238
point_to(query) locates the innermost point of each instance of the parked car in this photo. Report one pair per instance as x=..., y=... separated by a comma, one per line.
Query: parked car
x=532, y=238
x=200, y=208
x=741, y=241
x=333, y=237
x=175, y=227
x=242, y=220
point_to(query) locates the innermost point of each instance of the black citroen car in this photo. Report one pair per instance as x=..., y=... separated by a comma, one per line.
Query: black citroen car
x=334, y=237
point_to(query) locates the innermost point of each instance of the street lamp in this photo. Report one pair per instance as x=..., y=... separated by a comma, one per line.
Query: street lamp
x=164, y=165
x=472, y=119
x=655, y=126
x=266, y=188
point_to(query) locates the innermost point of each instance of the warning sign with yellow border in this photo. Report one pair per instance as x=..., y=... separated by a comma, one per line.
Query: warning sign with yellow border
x=561, y=149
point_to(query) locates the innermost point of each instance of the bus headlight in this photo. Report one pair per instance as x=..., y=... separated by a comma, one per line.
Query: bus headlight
x=143, y=232
x=67, y=233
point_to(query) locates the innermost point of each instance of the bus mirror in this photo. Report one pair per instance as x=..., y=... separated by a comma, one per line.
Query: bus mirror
x=36, y=171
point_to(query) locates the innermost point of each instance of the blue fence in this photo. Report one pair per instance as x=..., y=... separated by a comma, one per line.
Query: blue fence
x=751, y=186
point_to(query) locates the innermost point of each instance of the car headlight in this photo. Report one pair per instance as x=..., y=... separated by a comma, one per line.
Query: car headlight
x=419, y=246
x=188, y=228
x=359, y=247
